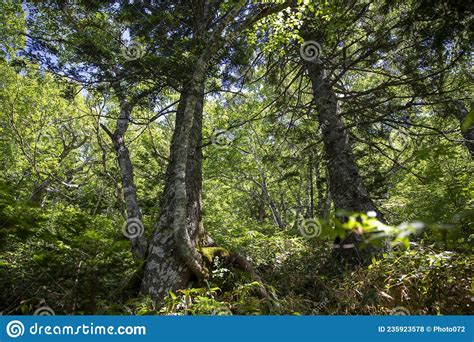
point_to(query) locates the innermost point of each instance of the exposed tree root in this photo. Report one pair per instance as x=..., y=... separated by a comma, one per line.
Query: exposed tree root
x=236, y=261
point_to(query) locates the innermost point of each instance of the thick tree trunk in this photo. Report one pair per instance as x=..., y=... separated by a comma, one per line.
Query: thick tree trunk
x=173, y=257
x=345, y=183
x=173, y=260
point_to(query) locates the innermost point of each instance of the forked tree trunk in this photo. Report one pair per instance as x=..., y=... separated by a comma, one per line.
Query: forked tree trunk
x=345, y=183
x=173, y=260
x=173, y=257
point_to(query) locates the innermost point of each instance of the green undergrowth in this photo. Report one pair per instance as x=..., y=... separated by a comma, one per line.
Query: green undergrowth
x=77, y=263
x=417, y=281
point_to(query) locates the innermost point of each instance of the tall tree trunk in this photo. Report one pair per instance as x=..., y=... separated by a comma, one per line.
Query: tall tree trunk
x=133, y=228
x=345, y=183
x=173, y=257
x=173, y=260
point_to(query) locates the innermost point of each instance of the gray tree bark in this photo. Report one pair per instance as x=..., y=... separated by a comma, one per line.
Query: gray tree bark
x=173, y=260
x=173, y=257
x=345, y=183
x=134, y=228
